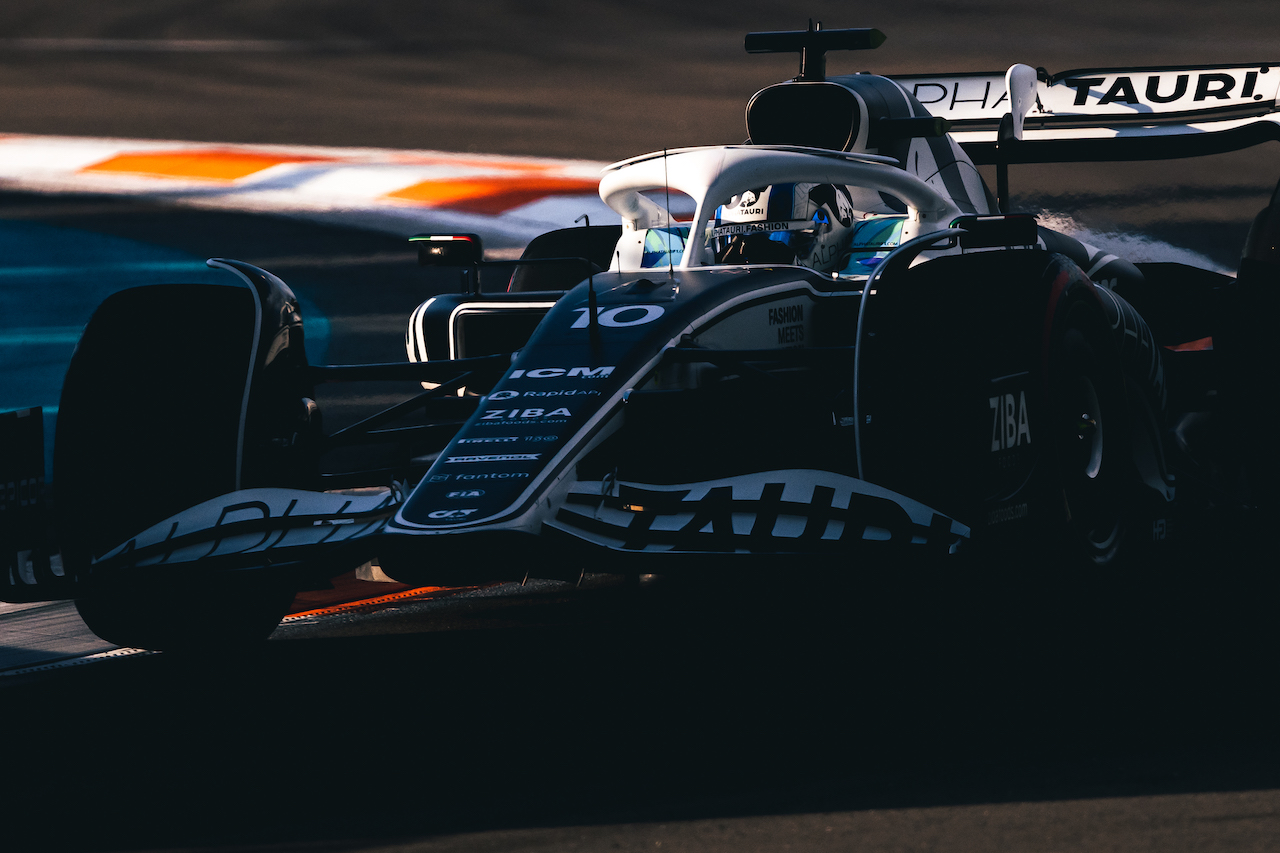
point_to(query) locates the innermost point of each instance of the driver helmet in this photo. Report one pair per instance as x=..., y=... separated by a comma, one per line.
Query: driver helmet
x=810, y=225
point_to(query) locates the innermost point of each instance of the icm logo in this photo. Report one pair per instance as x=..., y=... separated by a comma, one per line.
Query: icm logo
x=567, y=372
x=465, y=493
x=450, y=514
x=620, y=316
x=1009, y=426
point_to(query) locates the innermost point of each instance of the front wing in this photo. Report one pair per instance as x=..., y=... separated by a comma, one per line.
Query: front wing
x=770, y=514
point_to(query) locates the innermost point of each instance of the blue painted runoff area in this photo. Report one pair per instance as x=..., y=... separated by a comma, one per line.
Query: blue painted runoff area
x=52, y=279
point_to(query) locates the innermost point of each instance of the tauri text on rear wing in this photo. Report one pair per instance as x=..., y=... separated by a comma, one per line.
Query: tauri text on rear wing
x=1111, y=113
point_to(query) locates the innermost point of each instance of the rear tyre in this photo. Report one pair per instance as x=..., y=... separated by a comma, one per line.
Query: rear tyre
x=155, y=418
x=1092, y=475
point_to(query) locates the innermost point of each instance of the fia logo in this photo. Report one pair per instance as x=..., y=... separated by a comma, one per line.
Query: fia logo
x=466, y=493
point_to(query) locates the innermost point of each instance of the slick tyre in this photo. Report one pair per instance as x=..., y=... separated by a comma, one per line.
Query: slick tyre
x=156, y=416
x=1091, y=483
x=187, y=616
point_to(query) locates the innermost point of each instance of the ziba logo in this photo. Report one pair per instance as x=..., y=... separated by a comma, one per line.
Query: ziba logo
x=524, y=414
x=450, y=514
x=567, y=372
x=1009, y=426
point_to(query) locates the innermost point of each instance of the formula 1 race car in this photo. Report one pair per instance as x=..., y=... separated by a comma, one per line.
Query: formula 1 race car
x=829, y=346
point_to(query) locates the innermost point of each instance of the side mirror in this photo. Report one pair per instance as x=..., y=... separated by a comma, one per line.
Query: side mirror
x=448, y=250
x=989, y=232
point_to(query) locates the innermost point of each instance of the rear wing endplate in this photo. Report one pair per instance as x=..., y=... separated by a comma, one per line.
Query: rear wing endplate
x=1111, y=113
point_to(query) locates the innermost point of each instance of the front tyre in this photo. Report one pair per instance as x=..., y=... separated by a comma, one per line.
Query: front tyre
x=185, y=616
x=177, y=394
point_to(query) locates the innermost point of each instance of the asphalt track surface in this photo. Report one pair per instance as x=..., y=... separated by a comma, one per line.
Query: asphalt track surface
x=997, y=707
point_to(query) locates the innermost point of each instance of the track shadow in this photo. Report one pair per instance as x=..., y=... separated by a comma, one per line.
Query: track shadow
x=676, y=701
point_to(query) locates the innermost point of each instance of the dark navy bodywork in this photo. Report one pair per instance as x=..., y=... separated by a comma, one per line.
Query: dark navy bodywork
x=974, y=380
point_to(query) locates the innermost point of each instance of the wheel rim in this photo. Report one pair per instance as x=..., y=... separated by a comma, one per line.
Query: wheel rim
x=1088, y=429
x=1089, y=505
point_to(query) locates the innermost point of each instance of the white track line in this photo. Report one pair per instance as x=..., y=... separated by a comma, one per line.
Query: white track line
x=510, y=200
x=97, y=657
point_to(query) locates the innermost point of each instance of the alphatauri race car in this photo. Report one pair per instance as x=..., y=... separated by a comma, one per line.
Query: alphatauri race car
x=829, y=346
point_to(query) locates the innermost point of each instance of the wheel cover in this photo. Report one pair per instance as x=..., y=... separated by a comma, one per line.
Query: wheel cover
x=1088, y=496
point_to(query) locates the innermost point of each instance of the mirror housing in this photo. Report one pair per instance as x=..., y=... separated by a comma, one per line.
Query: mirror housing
x=989, y=232
x=448, y=250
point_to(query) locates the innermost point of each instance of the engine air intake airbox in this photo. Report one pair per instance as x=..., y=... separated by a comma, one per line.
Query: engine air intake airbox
x=815, y=115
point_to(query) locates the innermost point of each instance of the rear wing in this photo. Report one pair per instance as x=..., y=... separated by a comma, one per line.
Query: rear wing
x=1111, y=113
